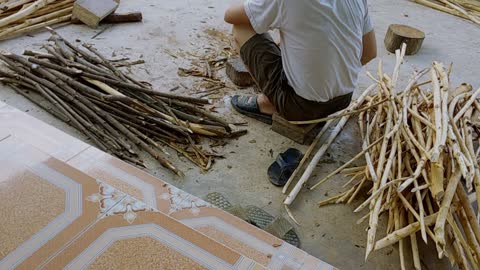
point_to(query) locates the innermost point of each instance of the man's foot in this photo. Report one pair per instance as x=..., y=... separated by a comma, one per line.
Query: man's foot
x=265, y=106
x=249, y=106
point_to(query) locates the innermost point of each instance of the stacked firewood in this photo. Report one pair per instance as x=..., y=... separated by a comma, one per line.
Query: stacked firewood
x=467, y=9
x=119, y=114
x=421, y=171
x=23, y=16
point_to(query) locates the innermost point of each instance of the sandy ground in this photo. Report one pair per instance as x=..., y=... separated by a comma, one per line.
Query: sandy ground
x=173, y=29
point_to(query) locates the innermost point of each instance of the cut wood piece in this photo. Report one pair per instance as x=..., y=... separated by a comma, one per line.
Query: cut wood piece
x=238, y=72
x=91, y=12
x=398, y=34
x=118, y=18
x=303, y=134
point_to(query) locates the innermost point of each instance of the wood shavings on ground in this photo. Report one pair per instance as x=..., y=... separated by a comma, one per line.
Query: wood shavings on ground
x=421, y=155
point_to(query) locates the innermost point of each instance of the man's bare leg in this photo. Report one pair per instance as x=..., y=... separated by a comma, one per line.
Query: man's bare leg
x=241, y=34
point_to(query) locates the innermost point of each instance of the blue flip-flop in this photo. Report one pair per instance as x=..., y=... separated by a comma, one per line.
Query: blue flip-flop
x=248, y=106
x=283, y=167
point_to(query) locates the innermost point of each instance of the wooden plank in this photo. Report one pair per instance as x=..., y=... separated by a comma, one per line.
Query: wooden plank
x=302, y=134
x=91, y=12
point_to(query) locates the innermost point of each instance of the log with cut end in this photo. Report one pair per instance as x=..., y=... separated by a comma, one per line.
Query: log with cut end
x=398, y=34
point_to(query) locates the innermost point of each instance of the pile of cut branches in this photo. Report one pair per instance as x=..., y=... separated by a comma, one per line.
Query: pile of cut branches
x=119, y=114
x=421, y=167
x=23, y=16
x=467, y=9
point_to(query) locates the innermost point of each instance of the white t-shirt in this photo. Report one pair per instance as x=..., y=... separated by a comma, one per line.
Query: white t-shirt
x=321, y=42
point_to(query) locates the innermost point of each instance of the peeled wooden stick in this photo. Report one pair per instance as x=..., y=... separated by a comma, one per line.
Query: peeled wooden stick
x=335, y=116
x=439, y=7
x=445, y=207
x=469, y=234
x=307, y=155
x=461, y=10
x=25, y=12
x=372, y=231
x=346, y=164
x=41, y=25
x=437, y=103
x=467, y=207
x=9, y=5
x=395, y=236
x=467, y=105
x=33, y=21
x=308, y=171
x=413, y=242
x=399, y=222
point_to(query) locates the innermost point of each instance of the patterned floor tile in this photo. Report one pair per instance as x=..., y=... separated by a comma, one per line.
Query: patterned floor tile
x=134, y=236
x=235, y=233
x=43, y=204
x=37, y=243
x=43, y=136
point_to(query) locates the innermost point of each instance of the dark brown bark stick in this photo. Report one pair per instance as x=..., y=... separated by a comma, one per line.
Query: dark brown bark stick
x=130, y=160
x=133, y=118
x=200, y=111
x=153, y=130
x=58, y=56
x=62, y=89
x=59, y=41
x=167, y=164
x=105, y=62
x=81, y=52
x=147, y=139
x=39, y=55
x=49, y=109
x=67, y=70
x=76, y=120
x=144, y=90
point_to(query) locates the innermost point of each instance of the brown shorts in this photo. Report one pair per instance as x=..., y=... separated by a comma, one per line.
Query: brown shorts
x=263, y=59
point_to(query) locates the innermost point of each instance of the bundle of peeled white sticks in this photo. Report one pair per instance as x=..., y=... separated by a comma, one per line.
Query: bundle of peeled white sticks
x=23, y=16
x=467, y=9
x=420, y=146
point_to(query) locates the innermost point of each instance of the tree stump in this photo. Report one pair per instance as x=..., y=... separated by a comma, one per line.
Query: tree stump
x=398, y=34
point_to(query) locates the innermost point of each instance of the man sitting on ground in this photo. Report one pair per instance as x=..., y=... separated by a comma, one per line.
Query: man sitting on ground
x=323, y=45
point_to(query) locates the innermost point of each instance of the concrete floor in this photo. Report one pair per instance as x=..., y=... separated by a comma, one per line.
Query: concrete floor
x=329, y=233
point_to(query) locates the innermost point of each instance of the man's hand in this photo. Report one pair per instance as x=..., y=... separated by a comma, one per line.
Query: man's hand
x=369, y=48
x=236, y=15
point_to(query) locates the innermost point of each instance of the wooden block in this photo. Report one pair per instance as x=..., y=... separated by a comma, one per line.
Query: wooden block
x=302, y=134
x=118, y=18
x=398, y=34
x=91, y=12
x=238, y=72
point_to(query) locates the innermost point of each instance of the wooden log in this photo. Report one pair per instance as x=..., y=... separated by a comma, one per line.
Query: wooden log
x=398, y=34
x=117, y=18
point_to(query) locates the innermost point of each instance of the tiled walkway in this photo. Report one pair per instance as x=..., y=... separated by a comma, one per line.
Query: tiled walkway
x=65, y=204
